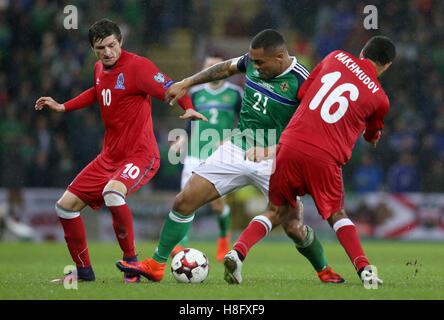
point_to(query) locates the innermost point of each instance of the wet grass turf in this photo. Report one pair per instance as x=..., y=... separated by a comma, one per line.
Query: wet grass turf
x=273, y=270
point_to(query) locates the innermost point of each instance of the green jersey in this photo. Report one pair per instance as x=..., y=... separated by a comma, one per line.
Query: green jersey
x=221, y=107
x=267, y=105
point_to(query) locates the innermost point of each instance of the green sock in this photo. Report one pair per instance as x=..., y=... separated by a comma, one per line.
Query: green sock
x=311, y=248
x=175, y=229
x=223, y=219
x=184, y=241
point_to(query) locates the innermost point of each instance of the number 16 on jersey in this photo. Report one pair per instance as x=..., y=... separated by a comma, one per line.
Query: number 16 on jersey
x=335, y=96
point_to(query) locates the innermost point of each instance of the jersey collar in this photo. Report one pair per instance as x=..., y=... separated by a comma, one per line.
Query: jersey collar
x=215, y=91
x=293, y=63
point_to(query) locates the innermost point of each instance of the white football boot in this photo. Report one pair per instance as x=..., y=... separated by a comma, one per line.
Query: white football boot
x=233, y=267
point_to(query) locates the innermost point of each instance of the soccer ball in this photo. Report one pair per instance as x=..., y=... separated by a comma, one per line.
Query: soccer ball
x=190, y=265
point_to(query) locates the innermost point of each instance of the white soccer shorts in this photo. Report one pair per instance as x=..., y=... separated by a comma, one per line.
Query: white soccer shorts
x=189, y=164
x=228, y=171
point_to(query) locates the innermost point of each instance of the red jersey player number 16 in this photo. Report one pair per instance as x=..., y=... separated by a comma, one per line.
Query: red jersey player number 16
x=341, y=99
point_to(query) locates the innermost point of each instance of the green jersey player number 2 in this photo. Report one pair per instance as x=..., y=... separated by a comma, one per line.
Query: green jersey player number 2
x=221, y=107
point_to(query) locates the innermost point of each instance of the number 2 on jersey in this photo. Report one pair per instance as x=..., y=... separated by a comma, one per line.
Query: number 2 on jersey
x=335, y=96
x=214, y=113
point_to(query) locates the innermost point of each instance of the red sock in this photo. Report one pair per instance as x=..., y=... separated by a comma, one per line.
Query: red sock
x=349, y=239
x=255, y=231
x=123, y=227
x=75, y=237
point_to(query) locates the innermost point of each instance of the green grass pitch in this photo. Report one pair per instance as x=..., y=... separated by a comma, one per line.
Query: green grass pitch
x=273, y=270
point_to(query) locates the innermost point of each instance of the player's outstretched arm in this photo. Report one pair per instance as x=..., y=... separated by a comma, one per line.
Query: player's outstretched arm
x=83, y=100
x=193, y=114
x=49, y=103
x=218, y=71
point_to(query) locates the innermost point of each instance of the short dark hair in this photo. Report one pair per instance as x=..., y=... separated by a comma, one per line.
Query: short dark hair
x=102, y=29
x=267, y=39
x=379, y=49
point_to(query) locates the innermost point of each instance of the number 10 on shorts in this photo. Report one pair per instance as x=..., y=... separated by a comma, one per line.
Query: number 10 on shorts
x=131, y=170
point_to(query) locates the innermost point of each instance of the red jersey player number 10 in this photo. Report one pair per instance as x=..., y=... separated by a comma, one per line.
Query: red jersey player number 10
x=329, y=80
x=106, y=95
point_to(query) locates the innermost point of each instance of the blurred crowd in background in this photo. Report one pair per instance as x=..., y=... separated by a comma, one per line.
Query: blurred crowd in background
x=38, y=57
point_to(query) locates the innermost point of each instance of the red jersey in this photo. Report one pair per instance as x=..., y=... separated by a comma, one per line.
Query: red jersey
x=124, y=94
x=340, y=99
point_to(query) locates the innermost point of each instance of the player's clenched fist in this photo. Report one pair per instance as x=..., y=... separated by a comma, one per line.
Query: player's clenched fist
x=175, y=92
x=50, y=103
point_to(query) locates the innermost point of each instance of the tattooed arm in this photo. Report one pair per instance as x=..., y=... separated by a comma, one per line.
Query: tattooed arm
x=218, y=71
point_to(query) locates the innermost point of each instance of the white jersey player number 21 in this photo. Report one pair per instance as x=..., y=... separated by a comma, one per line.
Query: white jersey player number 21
x=335, y=96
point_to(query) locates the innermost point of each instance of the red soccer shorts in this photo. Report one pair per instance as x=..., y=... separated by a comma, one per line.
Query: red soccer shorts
x=133, y=173
x=297, y=173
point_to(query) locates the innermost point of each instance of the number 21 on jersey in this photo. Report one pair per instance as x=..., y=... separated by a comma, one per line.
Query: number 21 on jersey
x=335, y=96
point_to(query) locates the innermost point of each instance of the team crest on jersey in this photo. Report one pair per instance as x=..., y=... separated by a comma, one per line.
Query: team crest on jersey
x=226, y=97
x=119, y=83
x=159, y=77
x=284, y=86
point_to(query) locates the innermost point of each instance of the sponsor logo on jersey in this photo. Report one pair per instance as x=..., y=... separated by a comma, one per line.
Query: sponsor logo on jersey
x=266, y=85
x=120, y=81
x=284, y=86
x=97, y=81
x=159, y=77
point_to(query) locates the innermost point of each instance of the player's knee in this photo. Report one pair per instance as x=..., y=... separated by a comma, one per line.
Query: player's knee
x=113, y=198
x=336, y=216
x=65, y=213
x=218, y=205
x=182, y=204
x=295, y=229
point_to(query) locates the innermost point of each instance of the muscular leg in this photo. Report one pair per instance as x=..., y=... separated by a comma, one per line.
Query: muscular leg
x=304, y=237
x=222, y=212
x=71, y=202
x=349, y=239
x=68, y=209
x=114, y=195
x=293, y=223
x=195, y=186
x=197, y=192
x=259, y=227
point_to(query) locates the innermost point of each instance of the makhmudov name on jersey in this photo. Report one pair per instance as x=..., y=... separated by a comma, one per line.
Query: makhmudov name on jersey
x=354, y=68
